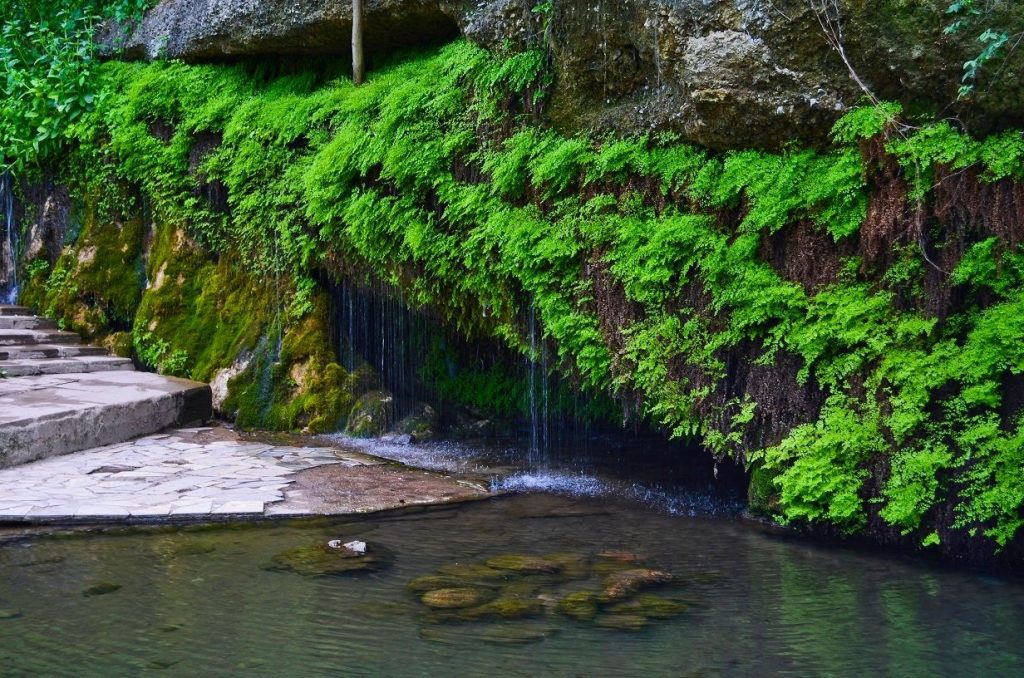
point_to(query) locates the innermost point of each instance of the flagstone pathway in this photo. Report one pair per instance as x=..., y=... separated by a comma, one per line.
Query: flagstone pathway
x=202, y=473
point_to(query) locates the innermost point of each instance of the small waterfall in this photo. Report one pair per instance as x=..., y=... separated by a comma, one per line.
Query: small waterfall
x=531, y=367
x=375, y=327
x=9, y=253
x=538, y=395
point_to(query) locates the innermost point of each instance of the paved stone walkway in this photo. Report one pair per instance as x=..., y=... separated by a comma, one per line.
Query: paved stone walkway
x=202, y=473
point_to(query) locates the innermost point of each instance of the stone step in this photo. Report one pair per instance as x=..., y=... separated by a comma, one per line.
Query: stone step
x=30, y=337
x=26, y=322
x=7, y=309
x=40, y=351
x=81, y=365
x=49, y=415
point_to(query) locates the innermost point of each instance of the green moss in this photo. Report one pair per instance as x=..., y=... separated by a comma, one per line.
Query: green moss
x=762, y=495
x=650, y=294
x=207, y=311
x=96, y=284
x=370, y=415
x=301, y=386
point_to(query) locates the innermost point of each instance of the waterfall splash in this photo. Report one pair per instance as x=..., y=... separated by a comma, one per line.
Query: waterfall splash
x=9, y=251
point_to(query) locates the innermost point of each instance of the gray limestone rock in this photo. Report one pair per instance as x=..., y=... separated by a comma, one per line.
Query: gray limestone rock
x=721, y=73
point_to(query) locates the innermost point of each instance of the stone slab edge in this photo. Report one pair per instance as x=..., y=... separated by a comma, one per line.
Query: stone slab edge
x=96, y=426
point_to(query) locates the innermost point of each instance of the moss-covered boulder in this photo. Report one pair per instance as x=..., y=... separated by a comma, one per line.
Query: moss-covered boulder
x=420, y=424
x=301, y=387
x=580, y=605
x=454, y=598
x=650, y=606
x=625, y=583
x=321, y=560
x=762, y=495
x=370, y=415
x=101, y=589
x=621, y=622
x=96, y=284
x=524, y=564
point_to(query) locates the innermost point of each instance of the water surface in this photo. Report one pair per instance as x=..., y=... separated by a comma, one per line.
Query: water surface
x=203, y=602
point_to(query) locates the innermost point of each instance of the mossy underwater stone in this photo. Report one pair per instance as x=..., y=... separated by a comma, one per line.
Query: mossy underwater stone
x=625, y=583
x=474, y=572
x=320, y=560
x=455, y=598
x=621, y=622
x=573, y=565
x=517, y=634
x=579, y=605
x=370, y=415
x=101, y=589
x=650, y=606
x=432, y=582
x=524, y=564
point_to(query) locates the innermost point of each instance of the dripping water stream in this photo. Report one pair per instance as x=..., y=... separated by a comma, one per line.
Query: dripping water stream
x=552, y=446
x=9, y=254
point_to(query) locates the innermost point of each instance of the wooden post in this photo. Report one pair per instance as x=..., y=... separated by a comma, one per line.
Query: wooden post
x=358, y=68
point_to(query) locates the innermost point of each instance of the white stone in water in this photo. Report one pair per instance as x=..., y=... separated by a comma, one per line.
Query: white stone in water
x=356, y=547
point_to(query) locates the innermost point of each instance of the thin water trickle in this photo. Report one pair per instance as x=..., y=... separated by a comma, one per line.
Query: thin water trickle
x=657, y=50
x=9, y=254
x=604, y=51
x=531, y=366
x=375, y=328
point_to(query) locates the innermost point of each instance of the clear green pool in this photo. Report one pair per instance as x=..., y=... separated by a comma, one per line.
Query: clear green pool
x=205, y=603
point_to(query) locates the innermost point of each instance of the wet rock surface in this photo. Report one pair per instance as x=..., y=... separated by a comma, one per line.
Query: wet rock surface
x=370, y=415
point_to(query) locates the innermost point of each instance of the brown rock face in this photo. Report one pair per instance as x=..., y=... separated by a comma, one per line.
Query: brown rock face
x=722, y=73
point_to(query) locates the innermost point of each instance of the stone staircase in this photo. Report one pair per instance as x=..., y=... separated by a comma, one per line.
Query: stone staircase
x=32, y=345
x=59, y=396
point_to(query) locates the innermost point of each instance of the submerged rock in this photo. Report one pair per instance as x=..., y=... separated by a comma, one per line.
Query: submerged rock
x=621, y=622
x=432, y=582
x=524, y=564
x=650, y=606
x=101, y=589
x=190, y=547
x=580, y=605
x=517, y=634
x=622, y=584
x=320, y=560
x=474, y=572
x=454, y=598
x=515, y=586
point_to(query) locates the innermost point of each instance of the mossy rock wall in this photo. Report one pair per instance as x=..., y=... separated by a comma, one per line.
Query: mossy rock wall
x=851, y=318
